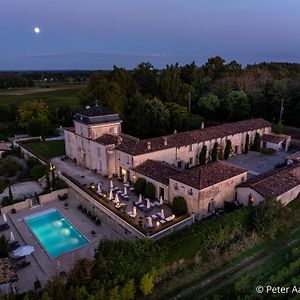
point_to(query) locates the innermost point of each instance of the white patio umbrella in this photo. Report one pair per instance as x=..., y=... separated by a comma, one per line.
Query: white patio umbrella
x=134, y=210
x=99, y=191
x=125, y=177
x=125, y=190
x=4, y=218
x=148, y=203
x=117, y=200
x=23, y=251
x=12, y=237
x=149, y=219
x=110, y=195
x=161, y=200
x=111, y=184
x=162, y=213
x=140, y=199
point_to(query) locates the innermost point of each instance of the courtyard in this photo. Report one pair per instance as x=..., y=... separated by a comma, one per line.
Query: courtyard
x=257, y=162
x=42, y=266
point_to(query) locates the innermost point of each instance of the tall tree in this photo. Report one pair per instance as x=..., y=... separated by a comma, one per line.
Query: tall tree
x=247, y=143
x=227, y=149
x=202, y=155
x=208, y=105
x=214, y=152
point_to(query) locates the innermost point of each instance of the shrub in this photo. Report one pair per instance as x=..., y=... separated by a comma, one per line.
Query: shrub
x=268, y=151
x=31, y=162
x=278, y=128
x=150, y=190
x=139, y=186
x=38, y=171
x=265, y=216
x=9, y=167
x=179, y=207
x=3, y=247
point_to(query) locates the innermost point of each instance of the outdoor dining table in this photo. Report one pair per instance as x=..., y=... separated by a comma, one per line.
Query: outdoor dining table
x=168, y=219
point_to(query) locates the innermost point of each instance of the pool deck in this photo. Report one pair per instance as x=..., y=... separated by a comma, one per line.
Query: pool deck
x=43, y=267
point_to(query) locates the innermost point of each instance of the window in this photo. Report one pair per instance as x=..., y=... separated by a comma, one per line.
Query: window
x=211, y=207
x=128, y=159
x=99, y=152
x=190, y=192
x=264, y=144
x=190, y=148
x=191, y=161
x=175, y=186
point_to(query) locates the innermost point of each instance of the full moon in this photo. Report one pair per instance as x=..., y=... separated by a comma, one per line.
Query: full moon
x=36, y=30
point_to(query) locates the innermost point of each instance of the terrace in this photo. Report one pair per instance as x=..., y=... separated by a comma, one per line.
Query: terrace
x=149, y=217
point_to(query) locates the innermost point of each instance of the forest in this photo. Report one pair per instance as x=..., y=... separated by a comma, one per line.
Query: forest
x=176, y=97
x=180, y=97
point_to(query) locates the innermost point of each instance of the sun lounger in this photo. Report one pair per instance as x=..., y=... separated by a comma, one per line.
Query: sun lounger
x=162, y=221
x=131, y=189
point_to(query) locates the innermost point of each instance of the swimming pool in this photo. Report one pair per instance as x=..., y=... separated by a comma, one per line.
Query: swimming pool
x=55, y=232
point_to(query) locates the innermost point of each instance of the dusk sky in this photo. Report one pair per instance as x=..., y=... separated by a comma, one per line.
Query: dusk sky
x=96, y=34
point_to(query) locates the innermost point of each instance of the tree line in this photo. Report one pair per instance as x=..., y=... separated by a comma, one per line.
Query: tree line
x=180, y=97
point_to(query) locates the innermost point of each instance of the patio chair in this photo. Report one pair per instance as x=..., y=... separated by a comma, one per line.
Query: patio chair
x=98, y=222
x=79, y=207
x=13, y=211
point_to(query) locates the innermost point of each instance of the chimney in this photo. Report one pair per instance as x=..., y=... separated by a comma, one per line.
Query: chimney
x=202, y=125
x=175, y=131
x=165, y=141
x=149, y=145
x=87, y=107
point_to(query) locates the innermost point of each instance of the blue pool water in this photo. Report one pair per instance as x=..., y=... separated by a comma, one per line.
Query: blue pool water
x=55, y=232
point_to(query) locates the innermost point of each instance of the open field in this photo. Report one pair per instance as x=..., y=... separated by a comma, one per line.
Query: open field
x=53, y=97
x=48, y=149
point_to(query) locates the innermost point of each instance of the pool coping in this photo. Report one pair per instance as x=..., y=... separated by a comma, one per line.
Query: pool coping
x=50, y=210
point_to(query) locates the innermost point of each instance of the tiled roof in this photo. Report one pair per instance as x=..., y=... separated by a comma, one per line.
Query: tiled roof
x=157, y=170
x=7, y=272
x=271, y=138
x=192, y=137
x=4, y=147
x=276, y=183
x=107, y=139
x=201, y=177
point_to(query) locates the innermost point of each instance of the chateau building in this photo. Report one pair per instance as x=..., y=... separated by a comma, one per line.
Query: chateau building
x=170, y=162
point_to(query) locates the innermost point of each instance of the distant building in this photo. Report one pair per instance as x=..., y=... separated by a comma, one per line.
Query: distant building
x=277, y=142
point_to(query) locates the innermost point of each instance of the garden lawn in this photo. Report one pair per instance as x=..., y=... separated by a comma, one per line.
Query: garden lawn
x=47, y=149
